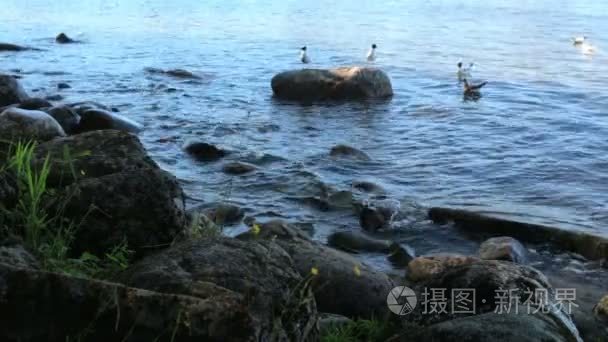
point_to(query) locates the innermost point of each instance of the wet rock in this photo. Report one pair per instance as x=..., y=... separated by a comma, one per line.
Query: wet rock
x=178, y=73
x=221, y=213
x=238, y=168
x=590, y=246
x=205, y=152
x=99, y=119
x=341, y=199
x=503, y=248
x=144, y=207
x=11, y=91
x=34, y=103
x=530, y=288
x=259, y=271
x=83, y=106
x=343, y=285
x=14, y=254
x=63, y=85
x=340, y=83
x=66, y=117
x=344, y=151
x=368, y=187
x=102, y=311
x=426, y=267
x=509, y=327
x=55, y=97
x=601, y=310
x=355, y=242
x=16, y=123
x=63, y=38
x=373, y=219
x=12, y=47
x=400, y=256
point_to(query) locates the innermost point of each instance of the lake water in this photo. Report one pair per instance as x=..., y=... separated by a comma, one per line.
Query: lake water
x=534, y=147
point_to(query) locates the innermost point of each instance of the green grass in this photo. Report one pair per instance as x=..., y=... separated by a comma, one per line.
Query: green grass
x=38, y=219
x=372, y=330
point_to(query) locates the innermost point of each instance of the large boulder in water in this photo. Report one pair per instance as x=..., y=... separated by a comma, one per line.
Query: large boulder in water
x=34, y=103
x=42, y=306
x=11, y=91
x=340, y=83
x=343, y=285
x=21, y=124
x=262, y=272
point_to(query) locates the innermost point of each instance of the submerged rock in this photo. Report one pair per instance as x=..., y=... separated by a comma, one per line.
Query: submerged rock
x=260, y=272
x=368, y=187
x=354, y=242
x=99, y=119
x=13, y=47
x=11, y=91
x=205, y=152
x=63, y=38
x=238, y=168
x=178, y=73
x=340, y=83
x=144, y=207
x=21, y=124
x=221, y=213
x=63, y=85
x=587, y=245
x=102, y=311
x=503, y=248
x=373, y=219
x=344, y=151
x=66, y=117
x=426, y=267
x=342, y=284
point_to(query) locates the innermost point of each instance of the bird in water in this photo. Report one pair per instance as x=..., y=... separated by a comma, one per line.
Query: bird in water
x=579, y=40
x=464, y=72
x=472, y=90
x=303, y=56
x=371, y=55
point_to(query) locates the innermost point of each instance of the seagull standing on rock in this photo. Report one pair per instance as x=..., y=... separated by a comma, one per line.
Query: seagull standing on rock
x=371, y=55
x=303, y=56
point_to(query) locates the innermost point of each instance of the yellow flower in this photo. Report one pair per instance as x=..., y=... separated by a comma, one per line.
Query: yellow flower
x=357, y=271
x=255, y=229
x=314, y=271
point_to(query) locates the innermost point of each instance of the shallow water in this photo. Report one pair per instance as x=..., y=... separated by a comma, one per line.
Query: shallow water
x=534, y=147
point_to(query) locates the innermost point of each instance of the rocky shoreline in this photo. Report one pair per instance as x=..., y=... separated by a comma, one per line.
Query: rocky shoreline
x=181, y=280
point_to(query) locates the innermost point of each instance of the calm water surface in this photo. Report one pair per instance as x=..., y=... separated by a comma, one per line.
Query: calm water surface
x=534, y=147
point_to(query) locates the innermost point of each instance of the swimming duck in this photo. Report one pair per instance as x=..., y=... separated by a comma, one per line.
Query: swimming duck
x=371, y=55
x=464, y=72
x=303, y=56
x=579, y=40
x=472, y=90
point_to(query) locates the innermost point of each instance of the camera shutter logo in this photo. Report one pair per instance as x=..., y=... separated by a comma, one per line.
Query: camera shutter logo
x=401, y=300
